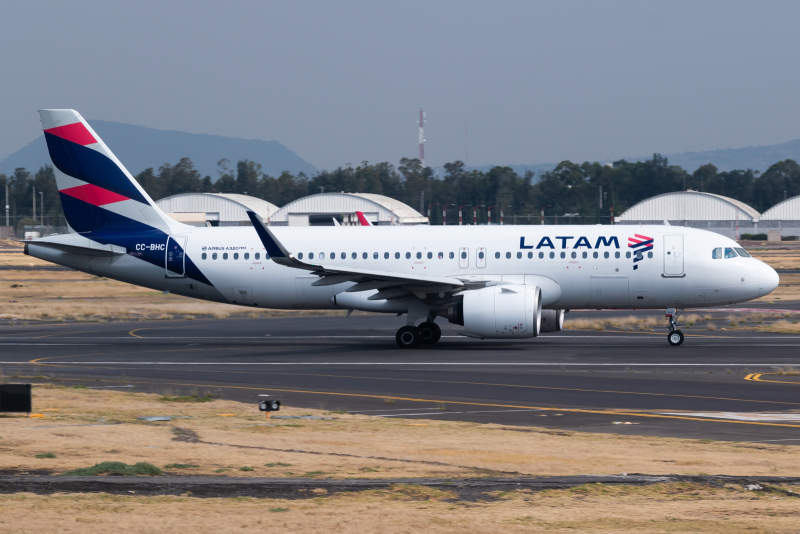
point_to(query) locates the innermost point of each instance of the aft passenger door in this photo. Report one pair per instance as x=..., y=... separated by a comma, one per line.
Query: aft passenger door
x=175, y=259
x=673, y=255
x=463, y=258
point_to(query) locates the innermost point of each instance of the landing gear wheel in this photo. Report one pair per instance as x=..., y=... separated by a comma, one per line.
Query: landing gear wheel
x=429, y=332
x=675, y=338
x=408, y=337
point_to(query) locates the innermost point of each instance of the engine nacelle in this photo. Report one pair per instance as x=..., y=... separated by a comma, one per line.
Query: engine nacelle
x=552, y=321
x=502, y=312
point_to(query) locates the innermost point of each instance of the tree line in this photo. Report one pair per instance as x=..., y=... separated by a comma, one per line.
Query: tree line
x=569, y=189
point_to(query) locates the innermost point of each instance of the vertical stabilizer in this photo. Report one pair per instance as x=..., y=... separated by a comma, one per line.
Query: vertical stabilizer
x=97, y=193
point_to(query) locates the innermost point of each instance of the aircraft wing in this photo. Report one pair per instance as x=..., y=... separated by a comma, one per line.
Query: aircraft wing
x=365, y=278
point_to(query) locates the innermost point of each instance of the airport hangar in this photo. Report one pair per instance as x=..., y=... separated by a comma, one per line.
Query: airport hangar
x=716, y=213
x=218, y=209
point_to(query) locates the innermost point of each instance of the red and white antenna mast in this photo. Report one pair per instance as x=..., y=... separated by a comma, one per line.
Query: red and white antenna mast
x=422, y=136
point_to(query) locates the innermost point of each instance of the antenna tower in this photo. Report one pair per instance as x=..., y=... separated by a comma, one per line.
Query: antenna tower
x=422, y=136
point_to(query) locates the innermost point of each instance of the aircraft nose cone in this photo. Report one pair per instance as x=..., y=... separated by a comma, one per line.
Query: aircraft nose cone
x=768, y=279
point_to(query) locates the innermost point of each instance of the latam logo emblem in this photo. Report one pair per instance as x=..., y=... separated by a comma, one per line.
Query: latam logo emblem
x=204, y=249
x=640, y=244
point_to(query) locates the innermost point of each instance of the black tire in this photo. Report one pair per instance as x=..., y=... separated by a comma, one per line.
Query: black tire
x=408, y=337
x=675, y=338
x=429, y=332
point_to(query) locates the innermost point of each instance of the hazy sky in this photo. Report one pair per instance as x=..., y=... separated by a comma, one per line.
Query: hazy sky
x=341, y=82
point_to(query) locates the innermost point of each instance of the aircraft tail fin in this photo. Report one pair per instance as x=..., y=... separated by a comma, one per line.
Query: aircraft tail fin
x=97, y=193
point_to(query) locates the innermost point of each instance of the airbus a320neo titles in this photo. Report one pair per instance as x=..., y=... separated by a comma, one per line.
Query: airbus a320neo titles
x=499, y=282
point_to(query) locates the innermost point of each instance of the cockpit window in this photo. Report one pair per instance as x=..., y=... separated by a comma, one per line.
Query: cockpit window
x=742, y=252
x=716, y=254
x=730, y=253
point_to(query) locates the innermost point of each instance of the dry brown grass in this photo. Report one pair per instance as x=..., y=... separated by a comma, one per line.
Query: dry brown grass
x=72, y=295
x=469, y=449
x=597, y=508
x=779, y=259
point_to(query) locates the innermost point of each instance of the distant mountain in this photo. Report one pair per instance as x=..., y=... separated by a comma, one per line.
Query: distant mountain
x=758, y=158
x=138, y=148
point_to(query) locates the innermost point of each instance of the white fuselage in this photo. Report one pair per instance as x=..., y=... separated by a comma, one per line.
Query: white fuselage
x=678, y=271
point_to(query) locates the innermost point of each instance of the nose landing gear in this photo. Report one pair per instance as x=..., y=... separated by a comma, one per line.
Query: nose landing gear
x=675, y=336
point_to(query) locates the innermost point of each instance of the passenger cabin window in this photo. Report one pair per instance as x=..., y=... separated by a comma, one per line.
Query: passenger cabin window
x=408, y=255
x=574, y=255
x=204, y=256
x=530, y=255
x=247, y=255
x=594, y=254
x=354, y=255
x=430, y=255
x=650, y=254
x=310, y=256
x=258, y=255
x=214, y=256
x=385, y=255
x=397, y=255
x=481, y=255
x=235, y=255
x=541, y=255
x=419, y=255
x=374, y=255
x=441, y=255
x=508, y=255
x=627, y=254
x=729, y=253
x=616, y=254
x=452, y=255
x=364, y=255
x=497, y=255
x=552, y=255
x=344, y=255
x=299, y=256
x=464, y=255
x=605, y=254
x=716, y=254
x=322, y=255
x=519, y=255
x=742, y=252
x=584, y=255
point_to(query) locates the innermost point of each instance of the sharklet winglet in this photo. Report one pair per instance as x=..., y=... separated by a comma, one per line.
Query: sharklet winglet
x=275, y=249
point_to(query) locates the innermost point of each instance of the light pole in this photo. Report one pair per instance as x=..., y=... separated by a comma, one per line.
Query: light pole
x=489, y=214
x=41, y=208
x=501, y=214
x=460, y=218
x=475, y=213
x=444, y=213
x=7, y=221
x=542, y=211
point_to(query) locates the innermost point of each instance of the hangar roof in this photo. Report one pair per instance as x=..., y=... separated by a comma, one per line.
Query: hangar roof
x=387, y=210
x=231, y=207
x=788, y=210
x=689, y=206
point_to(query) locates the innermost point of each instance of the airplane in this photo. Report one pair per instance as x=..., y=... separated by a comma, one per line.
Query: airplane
x=498, y=282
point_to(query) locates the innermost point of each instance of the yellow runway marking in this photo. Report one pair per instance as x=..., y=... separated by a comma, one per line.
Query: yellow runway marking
x=756, y=377
x=485, y=404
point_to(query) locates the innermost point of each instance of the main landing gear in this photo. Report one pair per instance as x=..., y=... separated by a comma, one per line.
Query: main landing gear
x=410, y=336
x=675, y=336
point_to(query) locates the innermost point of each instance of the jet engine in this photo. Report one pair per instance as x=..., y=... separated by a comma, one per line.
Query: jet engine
x=552, y=321
x=500, y=312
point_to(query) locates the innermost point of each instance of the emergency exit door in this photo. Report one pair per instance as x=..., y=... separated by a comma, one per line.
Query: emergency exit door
x=673, y=255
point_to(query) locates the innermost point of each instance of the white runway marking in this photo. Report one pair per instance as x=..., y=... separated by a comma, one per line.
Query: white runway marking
x=742, y=416
x=427, y=364
x=462, y=338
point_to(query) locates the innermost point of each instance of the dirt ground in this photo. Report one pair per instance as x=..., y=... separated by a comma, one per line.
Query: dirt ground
x=408, y=509
x=78, y=428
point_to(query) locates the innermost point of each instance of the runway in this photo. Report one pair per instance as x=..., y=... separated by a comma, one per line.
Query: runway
x=717, y=385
